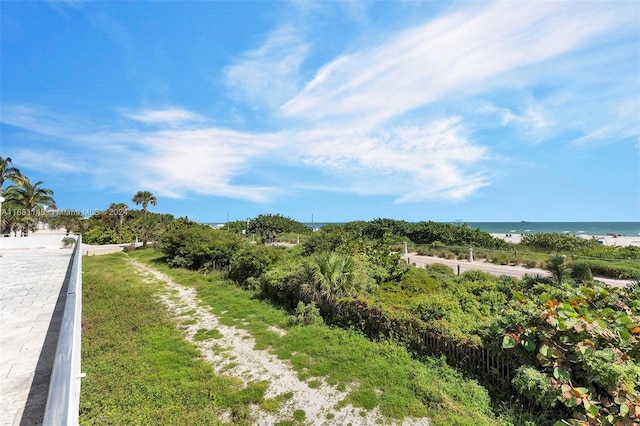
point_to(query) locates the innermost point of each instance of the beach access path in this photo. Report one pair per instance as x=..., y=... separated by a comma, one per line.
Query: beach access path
x=481, y=265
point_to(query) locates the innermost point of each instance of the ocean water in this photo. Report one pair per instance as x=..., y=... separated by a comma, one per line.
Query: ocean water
x=628, y=229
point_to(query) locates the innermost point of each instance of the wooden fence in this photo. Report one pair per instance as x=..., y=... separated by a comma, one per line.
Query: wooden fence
x=487, y=365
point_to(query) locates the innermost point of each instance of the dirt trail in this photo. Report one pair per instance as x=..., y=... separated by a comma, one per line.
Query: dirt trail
x=234, y=354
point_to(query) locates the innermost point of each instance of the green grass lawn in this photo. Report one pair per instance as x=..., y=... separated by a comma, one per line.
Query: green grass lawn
x=140, y=371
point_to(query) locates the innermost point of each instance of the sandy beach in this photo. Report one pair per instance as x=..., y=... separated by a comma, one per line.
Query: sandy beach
x=607, y=240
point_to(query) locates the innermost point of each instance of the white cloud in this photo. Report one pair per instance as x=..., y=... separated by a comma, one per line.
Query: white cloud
x=455, y=52
x=203, y=161
x=412, y=162
x=48, y=160
x=350, y=123
x=269, y=75
x=36, y=119
x=164, y=116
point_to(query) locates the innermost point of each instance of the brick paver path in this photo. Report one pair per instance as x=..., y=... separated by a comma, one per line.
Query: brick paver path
x=31, y=281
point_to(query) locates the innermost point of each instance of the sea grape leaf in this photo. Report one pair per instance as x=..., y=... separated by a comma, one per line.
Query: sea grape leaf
x=508, y=342
x=529, y=345
x=561, y=374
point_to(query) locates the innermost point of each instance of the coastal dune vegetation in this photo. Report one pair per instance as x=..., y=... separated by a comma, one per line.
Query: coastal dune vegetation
x=547, y=350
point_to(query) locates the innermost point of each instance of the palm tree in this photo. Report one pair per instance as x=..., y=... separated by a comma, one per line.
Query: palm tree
x=333, y=278
x=32, y=198
x=7, y=172
x=145, y=198
x=119, y=211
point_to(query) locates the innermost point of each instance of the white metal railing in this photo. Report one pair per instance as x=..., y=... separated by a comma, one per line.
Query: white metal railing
x=63, y=400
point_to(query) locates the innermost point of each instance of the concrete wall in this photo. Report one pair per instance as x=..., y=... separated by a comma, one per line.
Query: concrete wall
x=32, y=241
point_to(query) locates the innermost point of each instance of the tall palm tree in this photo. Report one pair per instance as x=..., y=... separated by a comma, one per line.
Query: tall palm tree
x=32, y=198
x=145, y=198
x=119, y=212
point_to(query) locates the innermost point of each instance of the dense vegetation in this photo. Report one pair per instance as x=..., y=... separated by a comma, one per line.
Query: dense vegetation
x=533, y=251
x=385, y=374
x=571, y=342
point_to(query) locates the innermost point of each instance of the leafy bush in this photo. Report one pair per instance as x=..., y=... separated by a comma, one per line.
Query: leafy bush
x=586, y=340
x=552, y=242
x=306, y=314
x=439, y=270
x=324, y=241
x=194, y=246
x=557, y=266
x=449, y=234
x=100, y=235
x=251, y=261
x=68, y=241
x=263, y=224
x=536, y=386
x=417, y=280
x=622, y=270
x=474, y=275
x=581, y=272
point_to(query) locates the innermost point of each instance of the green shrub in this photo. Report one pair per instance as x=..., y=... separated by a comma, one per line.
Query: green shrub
x=474, y=275
x=194, y=246
x=251, y=261
x=581, y=272
x=621, y=270
x=439, y=270
x=306, y=314
x=552, y=242
x=68, y=241
x=417, y=280
x=584, y=339
x=536, y=386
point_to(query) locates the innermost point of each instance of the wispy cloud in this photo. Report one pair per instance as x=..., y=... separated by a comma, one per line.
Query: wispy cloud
x=453, y=53
x=50, y=160
x=365, y=123
x=410, y=162
x=167, y=116
x=415, y=162
x=270, y=74
x=37, y=119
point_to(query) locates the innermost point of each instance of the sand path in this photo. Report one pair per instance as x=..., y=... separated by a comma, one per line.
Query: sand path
x=234, y=354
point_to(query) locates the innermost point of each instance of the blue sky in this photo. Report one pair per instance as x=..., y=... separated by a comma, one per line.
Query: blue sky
x=482, y=111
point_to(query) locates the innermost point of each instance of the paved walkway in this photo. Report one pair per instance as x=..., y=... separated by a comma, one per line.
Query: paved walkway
x=31, y=307
x=481, y=265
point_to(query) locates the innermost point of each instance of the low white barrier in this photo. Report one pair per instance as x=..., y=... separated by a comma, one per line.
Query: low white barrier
x=63, y=400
